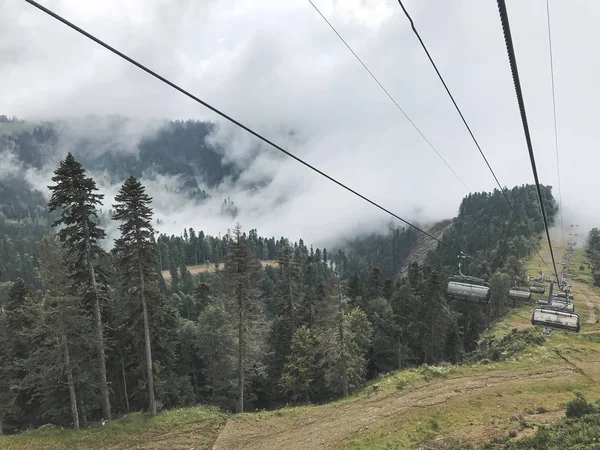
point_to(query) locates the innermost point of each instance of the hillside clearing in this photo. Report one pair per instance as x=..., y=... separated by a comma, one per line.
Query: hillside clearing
x=202, y=268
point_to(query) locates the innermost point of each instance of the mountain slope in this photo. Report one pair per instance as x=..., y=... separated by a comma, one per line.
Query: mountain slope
x=472, y=403
x=424, y=245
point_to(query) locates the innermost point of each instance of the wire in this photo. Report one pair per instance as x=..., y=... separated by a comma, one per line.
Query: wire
x=389, y=95
x=229, y=118
x=502, y=190
x=562, y=226
x=517, y=82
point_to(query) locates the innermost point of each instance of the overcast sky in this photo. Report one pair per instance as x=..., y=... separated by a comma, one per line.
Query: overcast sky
x=276, y=66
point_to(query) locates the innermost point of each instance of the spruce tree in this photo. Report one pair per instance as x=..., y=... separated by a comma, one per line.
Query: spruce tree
x=302, y=368
x=136, y=259
x=76, y=196
x=14, y=347
x=241, y=273
x=61, y=322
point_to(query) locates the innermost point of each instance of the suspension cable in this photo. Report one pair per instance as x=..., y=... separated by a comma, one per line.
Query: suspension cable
x=388, y=94
x=562, y=225
x=230, y=119
x=517, y=82
x=502, y=190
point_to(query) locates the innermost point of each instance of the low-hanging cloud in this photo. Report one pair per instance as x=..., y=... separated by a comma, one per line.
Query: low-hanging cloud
x=277, y=67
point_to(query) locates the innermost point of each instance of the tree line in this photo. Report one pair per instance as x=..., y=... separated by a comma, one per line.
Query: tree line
x=593, y=252
x=99, y=334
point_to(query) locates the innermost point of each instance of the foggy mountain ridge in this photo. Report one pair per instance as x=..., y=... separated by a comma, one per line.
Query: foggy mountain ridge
x=185, y=165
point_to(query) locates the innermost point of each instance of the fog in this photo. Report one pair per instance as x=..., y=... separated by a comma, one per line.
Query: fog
x=277, y=67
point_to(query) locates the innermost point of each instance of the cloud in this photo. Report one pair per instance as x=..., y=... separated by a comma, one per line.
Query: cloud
x=277, y=67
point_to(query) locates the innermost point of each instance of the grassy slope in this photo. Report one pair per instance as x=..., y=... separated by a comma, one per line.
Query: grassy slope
x=187, y=428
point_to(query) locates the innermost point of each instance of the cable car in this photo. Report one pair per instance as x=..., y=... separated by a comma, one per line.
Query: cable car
x=519, y=294
x=560, y=305
x=468, y=289
x=564, y=295
x=556, y=319
x=537, y=289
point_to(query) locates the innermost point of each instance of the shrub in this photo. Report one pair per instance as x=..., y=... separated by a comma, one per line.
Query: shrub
x=402, y=383
x=579, y=407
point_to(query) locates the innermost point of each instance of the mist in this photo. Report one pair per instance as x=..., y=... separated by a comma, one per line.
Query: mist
x=278, y=68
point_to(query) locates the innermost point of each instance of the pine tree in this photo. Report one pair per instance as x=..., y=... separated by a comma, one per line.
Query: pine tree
x=75, y=194
x=301, y=370
x=344, y=347
x=136, y=259
x=287, y=273
x=62, y=321
x=14, y=347
x=241, y=273
x=216, y=346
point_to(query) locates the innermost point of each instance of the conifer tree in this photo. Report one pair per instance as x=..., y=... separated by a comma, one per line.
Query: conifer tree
x=136, y=259
x=61, y=319
x=14, y=345
x=301, y=370
x=76, y=196
x=241, y=272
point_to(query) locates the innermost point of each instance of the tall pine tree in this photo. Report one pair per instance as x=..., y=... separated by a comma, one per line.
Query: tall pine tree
x=136, y=259
x=76, y=196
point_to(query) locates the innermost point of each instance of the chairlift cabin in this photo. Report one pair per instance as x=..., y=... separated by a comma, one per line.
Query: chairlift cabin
x=564, y=295
x=560, y=305
x=468, y=289
x=537, y=289
x=556, y=319
x=519, y=294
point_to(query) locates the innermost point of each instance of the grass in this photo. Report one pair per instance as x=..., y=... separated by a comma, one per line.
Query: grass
x=186, y=428
x=202, y=268
x=579, y=430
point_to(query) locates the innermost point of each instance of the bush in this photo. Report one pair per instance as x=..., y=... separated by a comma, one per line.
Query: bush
x=579, y=407
x=574, y=433
x=431, y=372
x=507, y=347
x=402, y=383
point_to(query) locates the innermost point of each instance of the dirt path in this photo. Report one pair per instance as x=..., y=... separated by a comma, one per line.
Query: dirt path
x=329, y=425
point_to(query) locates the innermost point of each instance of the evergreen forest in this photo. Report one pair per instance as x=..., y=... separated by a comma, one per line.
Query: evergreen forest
x=88, y=334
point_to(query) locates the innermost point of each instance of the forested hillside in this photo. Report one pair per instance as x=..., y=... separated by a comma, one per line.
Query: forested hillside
x=92, y=334
x=179, y=148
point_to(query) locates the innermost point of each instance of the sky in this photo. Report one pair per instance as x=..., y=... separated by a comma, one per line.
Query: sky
x=277, y=67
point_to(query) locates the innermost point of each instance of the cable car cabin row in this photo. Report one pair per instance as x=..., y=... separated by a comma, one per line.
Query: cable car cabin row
x=518, y=294
x=537, y=289
x=469, y=290
x=560, y=320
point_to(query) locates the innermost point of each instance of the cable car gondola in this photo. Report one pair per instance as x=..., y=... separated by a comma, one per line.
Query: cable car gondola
x=551, y=318
x=564, y=295
x=559, y=304
x=519, y=294
x=468, y=289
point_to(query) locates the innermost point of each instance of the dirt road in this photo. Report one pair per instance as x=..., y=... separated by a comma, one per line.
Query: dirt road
x=328, y=426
